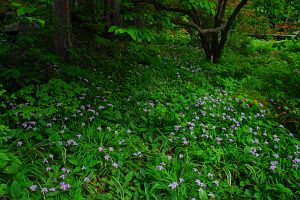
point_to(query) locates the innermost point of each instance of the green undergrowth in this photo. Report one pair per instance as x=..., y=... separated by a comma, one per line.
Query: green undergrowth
x=153, y=122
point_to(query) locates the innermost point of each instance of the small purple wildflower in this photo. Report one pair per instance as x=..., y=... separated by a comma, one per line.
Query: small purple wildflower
x=173, y=185
x=212, y=195
x=185, y=142
x=63, y=176
x=216, y=182
x=86, y=179
x=121, y=142
x=106, y=157
x=111, y=149
x=115, y=165
x=33, y=188
x=100, y=149
x=48, y=169
x=65, y=170
x=138, y=154
x=64, y=186
x=274, y=162
x=273, y=167
x=78, y=136
x=296, y=160
x=199, y=183
x=176, y=128
x=44, y=190
x=72, y=142
x=19, y=143
x=276, y=155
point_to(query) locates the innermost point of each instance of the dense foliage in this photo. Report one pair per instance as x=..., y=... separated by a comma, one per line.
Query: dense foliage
x=100, y=116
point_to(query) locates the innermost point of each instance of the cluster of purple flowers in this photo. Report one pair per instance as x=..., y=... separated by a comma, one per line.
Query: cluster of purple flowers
x=64, y=186
x=228, y=121
x=175, y=184
x=29, y=125
x=273, y=165
x=161, y=166
x=199, y=183
x=34, y=188
x=295, y=162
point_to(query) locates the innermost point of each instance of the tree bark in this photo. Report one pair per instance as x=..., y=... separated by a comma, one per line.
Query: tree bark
x=63, y=39
x=139, y=20
x=112, y=12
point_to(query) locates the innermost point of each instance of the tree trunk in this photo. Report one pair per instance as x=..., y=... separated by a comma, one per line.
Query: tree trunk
x=116, y=14
x=107, y=9
x=112, y=12
x=216, y=40
x=87, y=7
x=63, y=39
x=139, y=20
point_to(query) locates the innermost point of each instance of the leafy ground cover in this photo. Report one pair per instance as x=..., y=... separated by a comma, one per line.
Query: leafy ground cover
x=155, y=123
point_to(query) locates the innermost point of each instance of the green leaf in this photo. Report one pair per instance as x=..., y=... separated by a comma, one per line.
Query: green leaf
x=203, y=195
x=3, y=189
x=147, y=186
x=52, y=194
x=128, y=178
x=228, y=174
x=16, y=4
x=16, y=190
x=257, y=195
x=54, y=136
x=118, y=116
x=252, y=171
x=11, y=169
x=3, y=157
x=25, y=10
x=112, y=29
x=36, y=20
x=73, y=161
x=120, y=31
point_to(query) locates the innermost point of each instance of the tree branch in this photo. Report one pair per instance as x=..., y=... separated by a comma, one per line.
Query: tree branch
x=160, y=6
x=234, y=14
x=198, y=28
x=223, y=9
x=219, y=10
x=230, y=22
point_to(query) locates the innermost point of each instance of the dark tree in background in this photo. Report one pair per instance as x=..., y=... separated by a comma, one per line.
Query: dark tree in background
x=112, y=12
x=63, y=37
x=209, y=21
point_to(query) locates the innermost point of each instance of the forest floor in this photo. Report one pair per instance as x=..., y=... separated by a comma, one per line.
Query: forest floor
x=133, y=121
